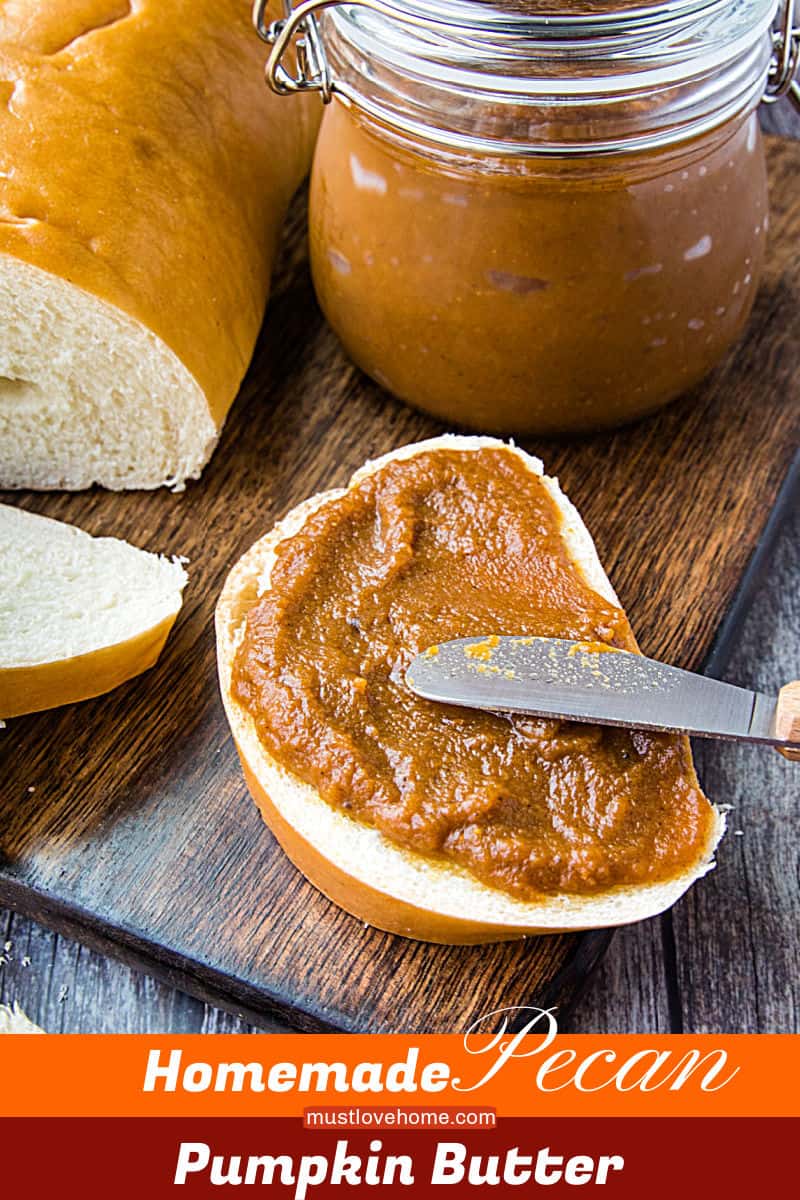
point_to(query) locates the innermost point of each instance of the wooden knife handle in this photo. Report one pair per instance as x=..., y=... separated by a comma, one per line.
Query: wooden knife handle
x=787, y=719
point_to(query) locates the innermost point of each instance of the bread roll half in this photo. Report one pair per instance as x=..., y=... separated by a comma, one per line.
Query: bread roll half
x=145, y=171
x=356, y=866
x=78, y=615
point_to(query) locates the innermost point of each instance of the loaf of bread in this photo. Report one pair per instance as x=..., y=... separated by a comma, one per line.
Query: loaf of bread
x=145, y=171
x=376, y=879
x=78, y=615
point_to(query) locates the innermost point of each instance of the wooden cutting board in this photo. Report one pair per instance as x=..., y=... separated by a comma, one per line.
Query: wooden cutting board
x=125, y=822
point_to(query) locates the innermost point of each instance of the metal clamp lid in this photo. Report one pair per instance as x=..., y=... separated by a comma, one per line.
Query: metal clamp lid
x=782, y=79
x=299, y=26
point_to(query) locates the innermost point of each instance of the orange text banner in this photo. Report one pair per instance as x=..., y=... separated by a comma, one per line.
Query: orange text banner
x=535, y=1073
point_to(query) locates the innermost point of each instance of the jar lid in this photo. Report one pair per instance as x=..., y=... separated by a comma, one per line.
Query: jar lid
x=581, y=16
x=529, y=32
x=527, y=77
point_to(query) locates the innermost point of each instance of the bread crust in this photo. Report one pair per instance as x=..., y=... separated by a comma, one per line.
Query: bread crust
x=362, y=871
x=144, y=161
x=49, y=685
x=47, y=658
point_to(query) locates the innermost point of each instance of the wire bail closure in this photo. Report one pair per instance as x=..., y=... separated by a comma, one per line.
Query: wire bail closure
x=782, y=80
x=300, y=27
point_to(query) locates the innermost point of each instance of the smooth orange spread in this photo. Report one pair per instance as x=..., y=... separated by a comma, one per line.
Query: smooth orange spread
x=442, y=545
x=536, y=294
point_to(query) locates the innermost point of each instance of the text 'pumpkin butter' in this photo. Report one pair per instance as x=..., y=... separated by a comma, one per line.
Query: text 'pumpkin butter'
x=434, y=822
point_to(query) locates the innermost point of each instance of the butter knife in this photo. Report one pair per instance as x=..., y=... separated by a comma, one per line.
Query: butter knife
x=590, y=681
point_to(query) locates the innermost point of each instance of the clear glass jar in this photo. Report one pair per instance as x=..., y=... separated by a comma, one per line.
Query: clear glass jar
x=523, y=221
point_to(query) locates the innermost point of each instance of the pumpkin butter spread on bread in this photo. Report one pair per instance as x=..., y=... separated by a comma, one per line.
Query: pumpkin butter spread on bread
x=430, y=821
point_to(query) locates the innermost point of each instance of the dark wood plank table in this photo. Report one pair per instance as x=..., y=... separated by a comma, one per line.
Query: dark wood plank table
x=741, y=973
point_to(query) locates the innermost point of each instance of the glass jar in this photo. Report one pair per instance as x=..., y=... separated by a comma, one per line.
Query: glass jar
x=525, y=221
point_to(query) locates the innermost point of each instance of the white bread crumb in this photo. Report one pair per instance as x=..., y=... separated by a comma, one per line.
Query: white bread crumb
x=14, y=1020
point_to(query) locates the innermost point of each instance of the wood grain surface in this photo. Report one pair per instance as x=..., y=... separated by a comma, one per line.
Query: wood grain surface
x=741, y=975
x=727, y=958
x=125, y=819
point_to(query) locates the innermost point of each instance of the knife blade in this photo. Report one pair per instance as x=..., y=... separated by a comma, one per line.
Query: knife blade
x=590, y=681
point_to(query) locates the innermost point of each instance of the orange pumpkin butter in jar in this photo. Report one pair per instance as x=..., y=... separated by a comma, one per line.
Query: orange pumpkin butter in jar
x=532, y=217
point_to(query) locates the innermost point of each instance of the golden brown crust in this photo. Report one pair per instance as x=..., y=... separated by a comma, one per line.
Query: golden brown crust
x=367, y=903
x=49, y=685
x=143, y=159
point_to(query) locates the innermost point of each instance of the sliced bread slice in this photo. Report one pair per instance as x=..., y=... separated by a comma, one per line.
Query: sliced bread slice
x=356, y=866
x=78, y=614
